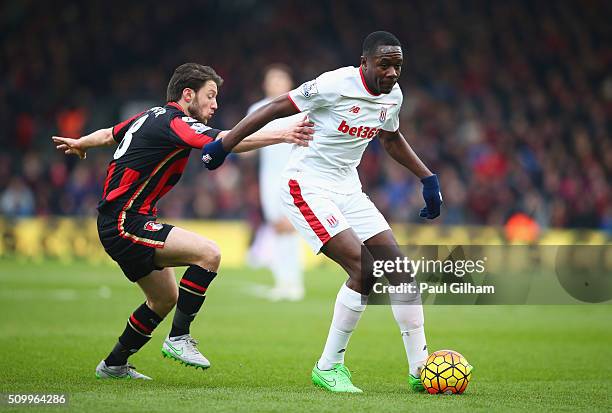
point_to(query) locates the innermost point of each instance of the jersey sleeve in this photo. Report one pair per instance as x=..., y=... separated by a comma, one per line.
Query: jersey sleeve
x=321, y=92
x=121, y=128
x=186, y=132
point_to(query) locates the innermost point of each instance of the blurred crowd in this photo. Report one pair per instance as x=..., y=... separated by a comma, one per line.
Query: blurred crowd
x=509, y=102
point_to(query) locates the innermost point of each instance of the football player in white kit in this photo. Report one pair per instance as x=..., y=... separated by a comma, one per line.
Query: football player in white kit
x=322, y=193
x=286, y=265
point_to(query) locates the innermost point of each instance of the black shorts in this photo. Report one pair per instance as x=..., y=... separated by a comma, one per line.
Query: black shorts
x=131, y=240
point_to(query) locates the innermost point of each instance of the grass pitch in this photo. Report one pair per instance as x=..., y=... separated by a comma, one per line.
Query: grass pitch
x=58, y=321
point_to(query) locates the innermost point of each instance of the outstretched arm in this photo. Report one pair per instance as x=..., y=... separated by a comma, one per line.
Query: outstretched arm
x=299, y=134
x=278, y=108
x=214, y=153
x=101, y=137
x=399, y=149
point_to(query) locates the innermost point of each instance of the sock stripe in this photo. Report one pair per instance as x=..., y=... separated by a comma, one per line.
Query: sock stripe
x=193, y=285
x=191, y=291
x=137, y=332
x=140, y=333
x=138, y=326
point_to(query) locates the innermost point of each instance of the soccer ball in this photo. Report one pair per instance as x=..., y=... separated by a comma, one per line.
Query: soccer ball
x=446, y=371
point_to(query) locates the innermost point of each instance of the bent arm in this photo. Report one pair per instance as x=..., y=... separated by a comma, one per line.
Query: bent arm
x=396, y=145
x=278, y=108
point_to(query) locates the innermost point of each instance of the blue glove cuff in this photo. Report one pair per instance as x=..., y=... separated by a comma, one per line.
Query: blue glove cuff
x=213, y=154
x=216, y=148
x=431, y=182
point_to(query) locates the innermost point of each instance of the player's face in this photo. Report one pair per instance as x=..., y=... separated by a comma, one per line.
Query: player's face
x=383, y=69
x=204, y=103
x=277, y=82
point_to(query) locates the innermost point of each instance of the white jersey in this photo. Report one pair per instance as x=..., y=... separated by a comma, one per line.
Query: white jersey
x=347, y=116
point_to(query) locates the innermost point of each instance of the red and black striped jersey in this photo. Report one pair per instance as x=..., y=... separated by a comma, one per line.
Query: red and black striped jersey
x=153, y=150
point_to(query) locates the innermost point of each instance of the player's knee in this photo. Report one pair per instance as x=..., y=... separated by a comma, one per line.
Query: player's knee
x=352, y=262
x=357, y=266
x=210, y=255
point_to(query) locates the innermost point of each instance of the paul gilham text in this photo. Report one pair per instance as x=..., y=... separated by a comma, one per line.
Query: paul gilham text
x=453, y=288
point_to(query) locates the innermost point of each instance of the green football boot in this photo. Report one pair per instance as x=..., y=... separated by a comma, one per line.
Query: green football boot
x=337, y=380
x=415, y=383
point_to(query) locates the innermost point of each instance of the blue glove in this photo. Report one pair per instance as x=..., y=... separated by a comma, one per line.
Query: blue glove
x=213, y=154
x=432, y=196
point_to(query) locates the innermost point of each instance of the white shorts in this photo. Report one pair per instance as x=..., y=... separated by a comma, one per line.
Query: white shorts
x=319, y=214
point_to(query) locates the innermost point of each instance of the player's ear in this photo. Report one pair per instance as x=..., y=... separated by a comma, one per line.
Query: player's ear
x=364, y=62
x=188, y=94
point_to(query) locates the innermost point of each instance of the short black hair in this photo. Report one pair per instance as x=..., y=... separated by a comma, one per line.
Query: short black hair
x=377, y=39
x=190, y=75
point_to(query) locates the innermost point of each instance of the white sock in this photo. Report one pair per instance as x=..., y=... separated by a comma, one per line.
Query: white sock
x=408, y=313
x=287, y=264
x=347, y=312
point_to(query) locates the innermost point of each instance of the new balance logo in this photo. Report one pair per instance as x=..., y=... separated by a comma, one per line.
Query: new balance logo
x=355, y=109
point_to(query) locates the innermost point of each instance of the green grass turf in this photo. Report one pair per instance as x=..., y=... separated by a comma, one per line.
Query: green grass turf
x=57, y=322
